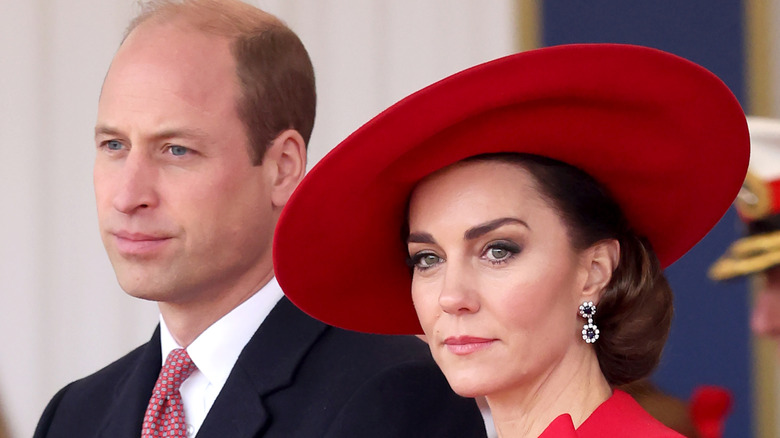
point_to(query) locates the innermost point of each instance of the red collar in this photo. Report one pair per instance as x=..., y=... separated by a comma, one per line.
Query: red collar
x=619, y=416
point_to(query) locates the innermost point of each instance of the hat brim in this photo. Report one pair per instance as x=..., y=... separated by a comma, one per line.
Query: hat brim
x=665, y=136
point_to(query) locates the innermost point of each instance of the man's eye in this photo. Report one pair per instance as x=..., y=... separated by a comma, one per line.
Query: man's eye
x=114, y=145
x=178, y=150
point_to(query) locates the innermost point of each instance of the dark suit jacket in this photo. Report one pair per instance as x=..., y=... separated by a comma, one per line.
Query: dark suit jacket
x=297, y=377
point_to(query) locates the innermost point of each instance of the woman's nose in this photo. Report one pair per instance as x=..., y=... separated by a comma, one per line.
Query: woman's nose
x=459, y=294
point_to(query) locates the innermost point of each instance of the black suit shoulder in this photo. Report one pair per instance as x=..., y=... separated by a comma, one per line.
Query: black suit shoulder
x=356, y=385
x=297, y=377
x=73, y=410
x=407, y=396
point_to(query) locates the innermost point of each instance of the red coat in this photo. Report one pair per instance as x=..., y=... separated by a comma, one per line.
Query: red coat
x=618, y=417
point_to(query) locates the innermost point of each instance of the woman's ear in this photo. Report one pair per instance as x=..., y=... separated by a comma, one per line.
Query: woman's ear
x=602, y=260
x=286, y=158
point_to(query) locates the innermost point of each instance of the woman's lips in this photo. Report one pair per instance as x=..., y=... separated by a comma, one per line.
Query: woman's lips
x=463, y=345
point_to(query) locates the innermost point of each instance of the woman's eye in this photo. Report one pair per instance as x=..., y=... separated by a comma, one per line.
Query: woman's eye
x=423, y=261
x=501, y=251
x=428, y=260
x=497, y=253
x=178, y=150
x=114, y=145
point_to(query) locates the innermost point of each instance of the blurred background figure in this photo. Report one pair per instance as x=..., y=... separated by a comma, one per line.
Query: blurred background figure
x=756, y=255
x=758, y=205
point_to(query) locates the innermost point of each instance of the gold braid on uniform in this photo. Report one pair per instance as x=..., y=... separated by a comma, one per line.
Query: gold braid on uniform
x=747, y=256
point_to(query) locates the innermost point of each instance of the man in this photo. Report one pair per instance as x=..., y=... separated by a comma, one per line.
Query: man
x=202, y=125
x=758, y=206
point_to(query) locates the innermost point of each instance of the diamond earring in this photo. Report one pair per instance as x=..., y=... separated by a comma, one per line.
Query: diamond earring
x=590, y=332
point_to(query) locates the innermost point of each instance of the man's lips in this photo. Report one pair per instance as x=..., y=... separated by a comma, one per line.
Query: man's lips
x=463, y=345
x=136, y=244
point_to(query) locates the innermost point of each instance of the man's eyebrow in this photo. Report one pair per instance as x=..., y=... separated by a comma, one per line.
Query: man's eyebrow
x=420, y=238
x=179, y=133
x=482, y=229
x=106, y=130
x=194, y=133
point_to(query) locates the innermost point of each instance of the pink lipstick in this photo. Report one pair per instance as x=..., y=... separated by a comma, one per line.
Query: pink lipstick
x=463, y=345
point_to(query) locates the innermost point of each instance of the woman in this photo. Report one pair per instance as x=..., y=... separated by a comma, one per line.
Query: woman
x=536, y=199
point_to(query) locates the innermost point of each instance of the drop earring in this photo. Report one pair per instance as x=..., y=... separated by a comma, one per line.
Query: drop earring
x=590, y=332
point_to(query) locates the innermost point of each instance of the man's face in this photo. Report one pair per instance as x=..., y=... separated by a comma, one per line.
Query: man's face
x=183, y=213
x=765, y=320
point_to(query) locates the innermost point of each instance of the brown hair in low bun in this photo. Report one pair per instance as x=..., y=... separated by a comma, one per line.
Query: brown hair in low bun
x=635, y=313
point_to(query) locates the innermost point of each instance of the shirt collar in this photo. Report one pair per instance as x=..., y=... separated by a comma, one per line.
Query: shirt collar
x=216, y=350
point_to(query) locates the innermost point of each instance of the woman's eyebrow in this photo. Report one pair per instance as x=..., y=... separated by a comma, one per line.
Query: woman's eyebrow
x=420, y=238
x=482, y=229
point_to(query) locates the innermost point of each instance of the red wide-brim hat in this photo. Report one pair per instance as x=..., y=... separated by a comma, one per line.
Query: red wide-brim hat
x=665, y=136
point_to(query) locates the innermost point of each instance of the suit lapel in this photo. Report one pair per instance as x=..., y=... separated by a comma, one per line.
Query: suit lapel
x=131, y=397
x=266, y=364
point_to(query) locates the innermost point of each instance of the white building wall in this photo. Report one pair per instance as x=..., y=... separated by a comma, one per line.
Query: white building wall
x=62, y=314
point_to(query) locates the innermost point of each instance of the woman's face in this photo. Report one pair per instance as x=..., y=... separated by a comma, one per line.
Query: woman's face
x=496, y=282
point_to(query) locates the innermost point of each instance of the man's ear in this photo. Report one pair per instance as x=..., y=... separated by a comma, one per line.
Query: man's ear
x=602, y=260
x=286, y=161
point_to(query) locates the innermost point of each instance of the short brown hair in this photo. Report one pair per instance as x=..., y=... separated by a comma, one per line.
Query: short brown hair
x=272, y=65
x=635, y=313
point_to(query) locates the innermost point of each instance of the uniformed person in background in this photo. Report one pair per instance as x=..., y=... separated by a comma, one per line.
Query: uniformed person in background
x=758, y=205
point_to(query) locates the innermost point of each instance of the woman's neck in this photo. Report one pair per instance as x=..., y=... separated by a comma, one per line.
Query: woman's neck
x=576, y=386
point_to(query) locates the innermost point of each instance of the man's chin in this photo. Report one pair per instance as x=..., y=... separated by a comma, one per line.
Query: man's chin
x=144, y=287
x=140, y=281
x=144, y=294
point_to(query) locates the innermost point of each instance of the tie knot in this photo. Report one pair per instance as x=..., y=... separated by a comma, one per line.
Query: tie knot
x=178, y=366
x=165, y=413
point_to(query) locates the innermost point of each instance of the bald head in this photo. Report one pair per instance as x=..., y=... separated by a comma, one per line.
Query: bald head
x=229, y=18
x=275, y=78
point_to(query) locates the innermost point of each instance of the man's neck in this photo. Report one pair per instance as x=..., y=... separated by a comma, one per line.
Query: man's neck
x=186, y=321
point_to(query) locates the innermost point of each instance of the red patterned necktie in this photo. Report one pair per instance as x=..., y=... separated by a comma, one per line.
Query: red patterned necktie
x=165, y=415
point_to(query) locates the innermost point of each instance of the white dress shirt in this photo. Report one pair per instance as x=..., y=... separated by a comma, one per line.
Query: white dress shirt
x=216, y=350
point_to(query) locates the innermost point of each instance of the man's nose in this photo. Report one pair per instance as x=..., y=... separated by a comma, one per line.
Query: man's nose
x=136, y=184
